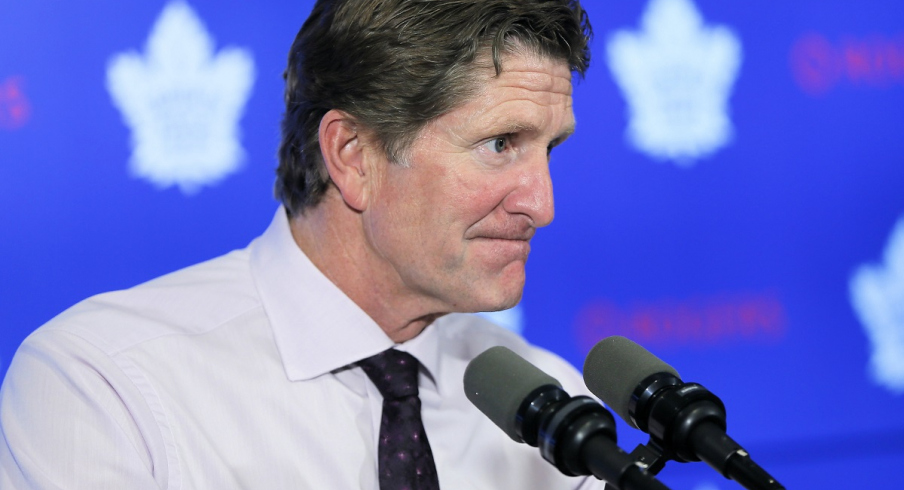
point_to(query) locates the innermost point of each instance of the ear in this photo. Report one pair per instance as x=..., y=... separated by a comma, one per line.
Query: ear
x=343, y=152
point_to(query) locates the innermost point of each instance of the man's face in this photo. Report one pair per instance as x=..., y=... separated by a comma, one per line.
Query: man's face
x=454, y=224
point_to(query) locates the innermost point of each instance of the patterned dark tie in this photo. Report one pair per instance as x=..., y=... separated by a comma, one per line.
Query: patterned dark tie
x=405, y=459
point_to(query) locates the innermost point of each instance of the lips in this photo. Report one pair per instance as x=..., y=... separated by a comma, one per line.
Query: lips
x=513, y=232
x=516, y=238
x=504, y=249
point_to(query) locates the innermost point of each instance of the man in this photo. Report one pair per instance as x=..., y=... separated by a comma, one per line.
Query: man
x=413, y=172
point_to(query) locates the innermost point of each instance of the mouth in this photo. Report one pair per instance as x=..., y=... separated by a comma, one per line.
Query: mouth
x=504, y=238
x=509, y=241
x=507, y=247
x=518, y=235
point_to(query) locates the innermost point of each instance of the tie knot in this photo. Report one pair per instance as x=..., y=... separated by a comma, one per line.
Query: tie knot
x=393, y=372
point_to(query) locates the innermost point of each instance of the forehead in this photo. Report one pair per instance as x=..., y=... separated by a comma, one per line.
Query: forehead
x=530, y=90
x=531, y=72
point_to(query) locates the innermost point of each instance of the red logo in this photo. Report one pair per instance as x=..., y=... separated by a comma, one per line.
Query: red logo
x=14, y=107
x=819, y=65
x=670, y=323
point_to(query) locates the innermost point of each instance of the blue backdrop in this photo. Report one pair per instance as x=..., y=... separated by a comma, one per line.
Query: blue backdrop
x=731, y=200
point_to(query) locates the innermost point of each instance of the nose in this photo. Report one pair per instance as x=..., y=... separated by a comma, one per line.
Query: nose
x=533, y=194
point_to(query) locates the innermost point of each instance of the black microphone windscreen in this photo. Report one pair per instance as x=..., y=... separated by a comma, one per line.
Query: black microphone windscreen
x=614, y=368
x=497, y=382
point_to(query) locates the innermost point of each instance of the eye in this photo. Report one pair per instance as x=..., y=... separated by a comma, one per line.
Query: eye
x=498, y=145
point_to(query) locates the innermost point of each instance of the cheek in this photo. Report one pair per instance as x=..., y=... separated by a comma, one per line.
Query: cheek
x=449, y=208
x=487, y=204
x=474, y=206
x=435, y=205
x=475, y=196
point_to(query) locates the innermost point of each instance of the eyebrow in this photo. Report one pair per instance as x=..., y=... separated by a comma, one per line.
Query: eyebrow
x=517, y=127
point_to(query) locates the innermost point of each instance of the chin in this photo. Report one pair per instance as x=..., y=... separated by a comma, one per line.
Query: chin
x=486, y=305
x=484, y=291
x=503, y=294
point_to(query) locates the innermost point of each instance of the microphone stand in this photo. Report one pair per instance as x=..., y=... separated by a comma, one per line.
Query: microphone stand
x=577, y=435
x=738, y=466
x=687, y=423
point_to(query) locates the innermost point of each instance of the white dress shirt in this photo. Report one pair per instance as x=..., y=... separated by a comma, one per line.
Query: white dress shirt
x=238, y=373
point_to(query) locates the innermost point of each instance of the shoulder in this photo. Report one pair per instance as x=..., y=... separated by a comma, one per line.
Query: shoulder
x=102, y=371
x=190, y=301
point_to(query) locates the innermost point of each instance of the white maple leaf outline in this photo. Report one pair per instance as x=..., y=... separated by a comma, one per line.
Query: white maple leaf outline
x=877, y=295
x=676, y=74
x=182, y=102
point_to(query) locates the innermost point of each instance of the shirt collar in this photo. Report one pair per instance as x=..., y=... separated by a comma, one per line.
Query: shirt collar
x=426, y=349
x=317, y=328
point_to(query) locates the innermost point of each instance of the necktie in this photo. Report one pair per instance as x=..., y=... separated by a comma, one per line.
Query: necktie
x=404, y=456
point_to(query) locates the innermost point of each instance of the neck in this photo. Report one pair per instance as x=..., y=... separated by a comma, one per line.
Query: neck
x=333, y=238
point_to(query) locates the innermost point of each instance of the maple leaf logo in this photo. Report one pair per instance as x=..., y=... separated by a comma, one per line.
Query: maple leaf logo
x=676, y=75
x=182, y=102
x=877, y=294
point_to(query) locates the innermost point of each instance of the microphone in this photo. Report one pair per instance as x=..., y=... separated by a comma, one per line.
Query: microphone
x=686, y=422
x=575, y=434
